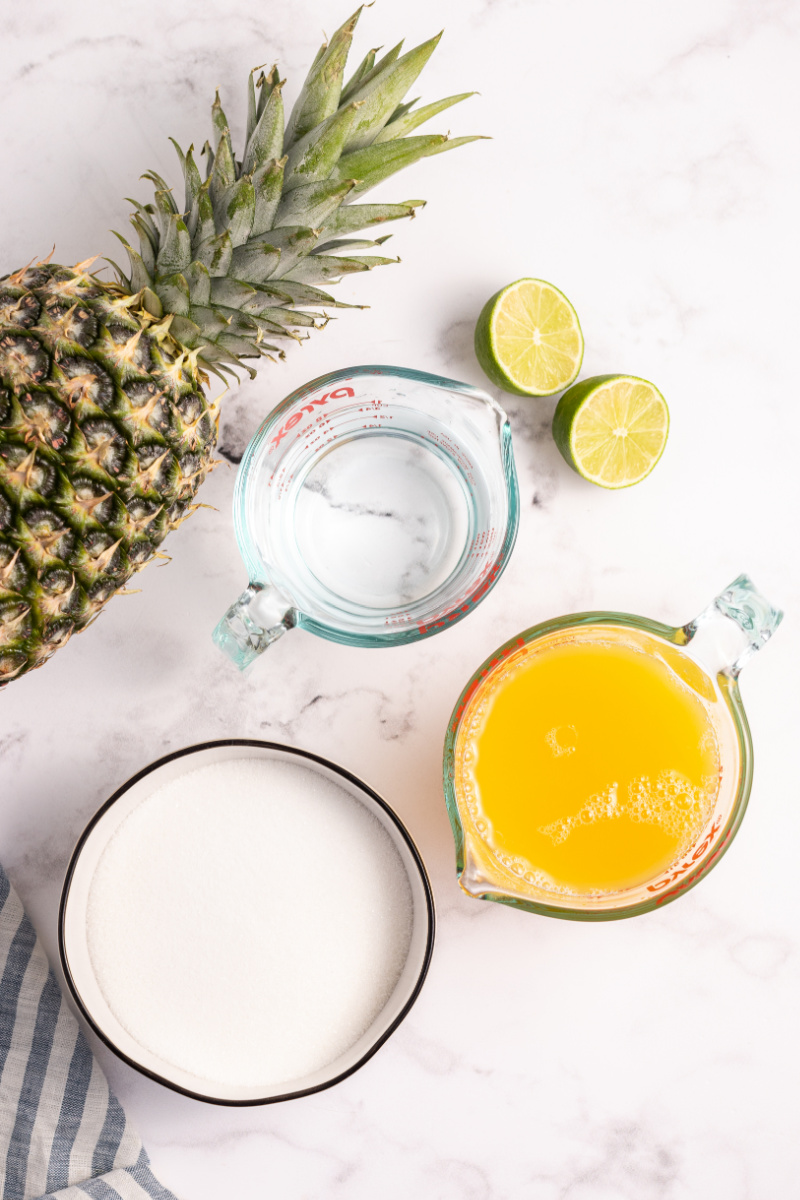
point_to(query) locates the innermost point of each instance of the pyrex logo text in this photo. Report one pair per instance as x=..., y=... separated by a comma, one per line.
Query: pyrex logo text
x=297, y=415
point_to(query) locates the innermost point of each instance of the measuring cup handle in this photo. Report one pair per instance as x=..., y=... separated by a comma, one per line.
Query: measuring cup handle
x=735, y=625
x=252, y=623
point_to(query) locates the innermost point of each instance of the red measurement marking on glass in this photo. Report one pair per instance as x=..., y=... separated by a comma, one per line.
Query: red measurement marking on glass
x=478, y=682
x=687, y=866
x=486, y=582
x=297, y=415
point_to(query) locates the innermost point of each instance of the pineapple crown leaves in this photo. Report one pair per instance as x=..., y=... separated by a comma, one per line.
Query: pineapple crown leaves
x=245, y=247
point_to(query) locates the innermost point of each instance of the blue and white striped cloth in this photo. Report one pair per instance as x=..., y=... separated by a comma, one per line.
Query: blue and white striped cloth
x=63, y=1134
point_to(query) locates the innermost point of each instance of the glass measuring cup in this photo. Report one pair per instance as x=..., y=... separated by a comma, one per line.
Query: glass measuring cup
x=374, y=506
x=704, y=656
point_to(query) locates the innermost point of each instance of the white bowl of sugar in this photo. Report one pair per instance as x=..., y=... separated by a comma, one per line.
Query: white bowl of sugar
x=245, y=922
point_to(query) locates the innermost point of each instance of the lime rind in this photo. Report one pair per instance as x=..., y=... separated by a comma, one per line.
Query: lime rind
x=612, y=429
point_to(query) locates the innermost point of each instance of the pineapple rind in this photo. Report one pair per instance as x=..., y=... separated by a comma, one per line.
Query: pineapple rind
x=103, y=444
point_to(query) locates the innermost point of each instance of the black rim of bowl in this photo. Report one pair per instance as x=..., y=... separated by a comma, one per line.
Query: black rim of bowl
x=302, y=754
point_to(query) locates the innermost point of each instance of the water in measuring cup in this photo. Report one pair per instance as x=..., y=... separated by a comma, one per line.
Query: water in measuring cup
x=381, y=520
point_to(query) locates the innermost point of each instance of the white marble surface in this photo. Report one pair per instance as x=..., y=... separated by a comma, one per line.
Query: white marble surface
x=644, y=159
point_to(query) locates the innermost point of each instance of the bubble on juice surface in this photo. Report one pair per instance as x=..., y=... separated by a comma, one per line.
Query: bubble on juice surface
x=602, y=807
x=672, y=802
x=708, y=742
x=524, y=870
x=561, y=739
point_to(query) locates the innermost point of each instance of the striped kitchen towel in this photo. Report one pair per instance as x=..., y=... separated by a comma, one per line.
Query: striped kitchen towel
x=63, y=1134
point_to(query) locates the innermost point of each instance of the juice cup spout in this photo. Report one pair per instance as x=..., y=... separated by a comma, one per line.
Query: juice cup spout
x=253, y=623
x=735, y=624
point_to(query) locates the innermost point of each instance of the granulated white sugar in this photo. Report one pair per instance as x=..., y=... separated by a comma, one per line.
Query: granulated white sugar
x=248, y=921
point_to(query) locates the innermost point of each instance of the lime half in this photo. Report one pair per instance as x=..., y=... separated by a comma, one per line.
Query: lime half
x=612, y=429
x=528, y=339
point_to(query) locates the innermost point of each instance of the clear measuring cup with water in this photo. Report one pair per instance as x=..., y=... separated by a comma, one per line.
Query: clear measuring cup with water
x=374, y=506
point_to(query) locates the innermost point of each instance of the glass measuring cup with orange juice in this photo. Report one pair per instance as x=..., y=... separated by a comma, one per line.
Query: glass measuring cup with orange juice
x=598, y=765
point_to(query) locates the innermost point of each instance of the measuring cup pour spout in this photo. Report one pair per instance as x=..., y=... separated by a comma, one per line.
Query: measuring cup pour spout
x=252, y=623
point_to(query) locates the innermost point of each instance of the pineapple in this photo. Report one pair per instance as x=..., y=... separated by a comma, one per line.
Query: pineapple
x=105, y=430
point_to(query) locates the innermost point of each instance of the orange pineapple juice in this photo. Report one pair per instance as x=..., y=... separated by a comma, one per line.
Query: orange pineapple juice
x=589, y=760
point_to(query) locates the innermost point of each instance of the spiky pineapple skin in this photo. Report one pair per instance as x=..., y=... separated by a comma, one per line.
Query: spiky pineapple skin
x=105, y=437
